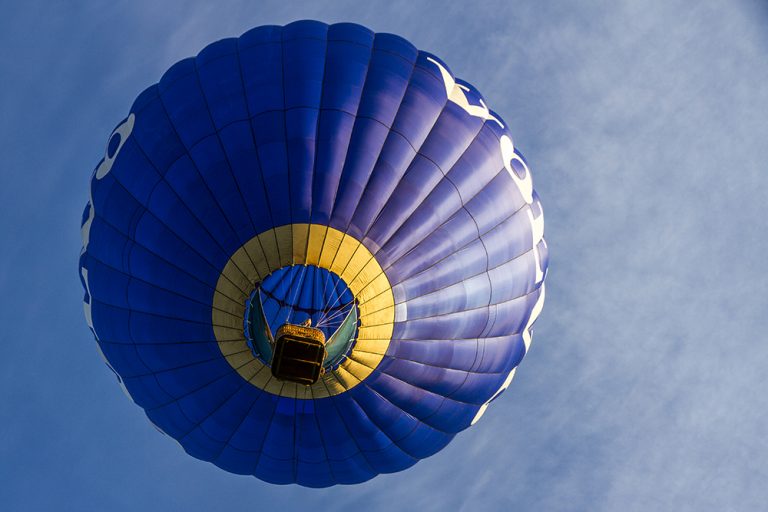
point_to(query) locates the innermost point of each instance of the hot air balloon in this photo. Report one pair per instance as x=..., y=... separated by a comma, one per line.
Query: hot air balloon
x=311, y=254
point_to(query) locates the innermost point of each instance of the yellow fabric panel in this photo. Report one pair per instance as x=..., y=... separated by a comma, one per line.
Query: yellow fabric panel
x=305, y=244
x=258, y=258
x=227, y=334
x=319, y=390
x=331, y=244
x=268, y=242
x=233, y=347
x=374, y=288
x=383, y=300
x=290, y=389
x=304, y=392
x=369, y=360
x=323, y=390
x=379, y=318
x=284, y=236
x=379, y=332
x=227, y=288
x=347, y=379
x=315, y=243
x=300, y=238
x=249, y=370
x=235, y=276
x=224, y=319
x=333, y=384
x=224, y=303
x=359, y=260
x=244, y=262
x=358, y=370
x=275, y=387
x=371, y=346
x=239, y=359
x=261, y=378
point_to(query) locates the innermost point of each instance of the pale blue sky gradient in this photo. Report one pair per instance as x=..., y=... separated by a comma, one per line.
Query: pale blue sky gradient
x=646, y=126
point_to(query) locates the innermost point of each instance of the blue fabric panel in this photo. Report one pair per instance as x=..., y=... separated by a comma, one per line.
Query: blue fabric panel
x=261, y=62
x=339, y=443
x=304, y=48
x=421, y=177
x=167, y=208
x=367, y=139
x=218, y=69
x=123, y=357
x=198, y=445
x=188, y=379
x=424, y=441
x=346, y=65
x=175, y=423
x=380, y=452
x=441, y=381
x=456, y=234
x=112, y=322
x=301, y=130
x=165, y=243
x=467, y=262
x=417, y=402
x=412, y=436
x=240, y=148
x=385, y=85
x=107, y=284
x=163, y=356
x=240, y=462
x=394, y=158
x=151, y=299
x=453, y=354
x=436, y=209
x=509, y=239
x=420, y=108
x=185, y=104
x=154, y=133
x=252, y=431
x=124, y=170
x=279, y=441
x=512, y=315
x=269, y=131
x=453, y=133
x=209, y=157
x=160, y=329
x=470, y=293
x=186, y=181
x=465, y=324
x=111, y=247
x=514, y=278
x=123, y=208
x=479, y=164
x=484, y=206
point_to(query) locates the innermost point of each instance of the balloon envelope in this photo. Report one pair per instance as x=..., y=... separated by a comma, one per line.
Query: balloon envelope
x=324, y=173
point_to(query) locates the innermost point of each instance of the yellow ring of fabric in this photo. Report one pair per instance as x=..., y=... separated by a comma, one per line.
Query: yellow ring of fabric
x=305, y=244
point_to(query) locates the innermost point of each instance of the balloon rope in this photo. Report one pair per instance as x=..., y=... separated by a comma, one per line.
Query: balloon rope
x=341, y=312
x=295, y=296
x=338, y=298
x=328, y=275
x=327, y=308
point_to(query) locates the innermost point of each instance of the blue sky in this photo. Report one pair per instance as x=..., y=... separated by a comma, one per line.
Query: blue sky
x=645, y=126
